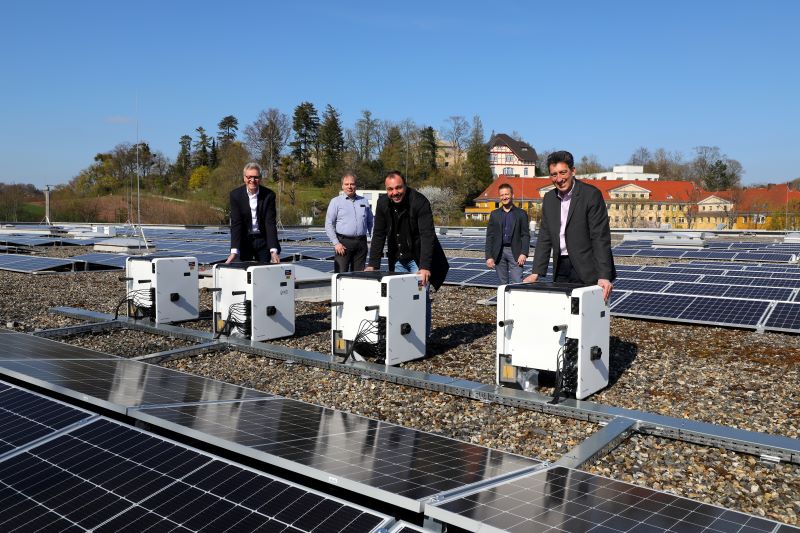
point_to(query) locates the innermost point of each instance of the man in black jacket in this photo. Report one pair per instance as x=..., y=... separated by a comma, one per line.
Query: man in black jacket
x=508, y=238
x=575, y=229
x=404, y=222
x=254, y=230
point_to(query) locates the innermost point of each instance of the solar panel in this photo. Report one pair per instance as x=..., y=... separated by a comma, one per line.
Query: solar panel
x=561, y=499
x=725, y=311
x=639, y=285
x=316, y=264
x=663, y=276
x=785, y=317
x=27, y=263
x=24, y=346
x=105, y=476
x=461, y=275
x=705, y=289
x=759, y=293
x=487, y=279
x=775, y=282
x=107, y=260
x=644, y=304
x=395, y=464
x=624, y=252
x=123, y=383
x=26, y=417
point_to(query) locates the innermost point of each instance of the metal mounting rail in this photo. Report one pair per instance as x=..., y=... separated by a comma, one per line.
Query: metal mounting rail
x=752, y=442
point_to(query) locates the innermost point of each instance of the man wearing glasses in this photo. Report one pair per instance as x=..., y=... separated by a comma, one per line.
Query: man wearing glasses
x=254, y=231
x=575, y=229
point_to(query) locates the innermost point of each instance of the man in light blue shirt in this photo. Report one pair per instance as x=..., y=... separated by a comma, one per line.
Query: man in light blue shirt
x=348, y=222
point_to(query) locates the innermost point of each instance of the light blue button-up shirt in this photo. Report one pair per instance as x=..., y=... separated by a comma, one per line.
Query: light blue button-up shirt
x=348, y=216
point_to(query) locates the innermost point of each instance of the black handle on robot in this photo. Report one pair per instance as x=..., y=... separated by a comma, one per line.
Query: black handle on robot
x=335, y=304
x=371, y=307
x=238, y=293
x=504, y=323
x=560, y=327
x=123, y=278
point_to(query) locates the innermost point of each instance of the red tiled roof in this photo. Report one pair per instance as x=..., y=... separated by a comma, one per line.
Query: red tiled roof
x=772, y=197
x=660, y=191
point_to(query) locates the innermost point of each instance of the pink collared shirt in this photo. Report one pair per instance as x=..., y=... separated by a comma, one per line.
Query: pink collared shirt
x=566, y=199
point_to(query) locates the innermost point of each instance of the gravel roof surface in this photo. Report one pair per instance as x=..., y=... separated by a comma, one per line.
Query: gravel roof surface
x=737, y=378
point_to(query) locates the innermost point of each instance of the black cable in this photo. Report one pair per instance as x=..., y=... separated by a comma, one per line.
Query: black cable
x=559, y=384
x=365, y=328
x=132, y=296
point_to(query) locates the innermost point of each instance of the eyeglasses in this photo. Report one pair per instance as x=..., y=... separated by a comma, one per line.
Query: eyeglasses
x=561, y=173
x=252, y=178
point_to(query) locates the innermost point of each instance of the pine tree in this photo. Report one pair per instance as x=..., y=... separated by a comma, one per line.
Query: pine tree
x=331, y=141
x=427, y=152
x=201, y=147
x=305, y=124
x=227, y=130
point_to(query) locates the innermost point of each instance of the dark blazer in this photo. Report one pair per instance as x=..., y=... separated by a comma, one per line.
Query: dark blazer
x=587, y=234
x=241, y=219
x=428, y=253
x=520, y=234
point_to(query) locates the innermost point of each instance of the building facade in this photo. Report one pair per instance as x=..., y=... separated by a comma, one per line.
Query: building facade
x=661, y=204
x=621, y=173
x=509, y=157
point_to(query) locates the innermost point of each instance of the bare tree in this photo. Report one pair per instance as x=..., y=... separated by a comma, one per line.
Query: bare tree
x=443, y=201
x=640, y=156
x=456, y=132
x=267, y=137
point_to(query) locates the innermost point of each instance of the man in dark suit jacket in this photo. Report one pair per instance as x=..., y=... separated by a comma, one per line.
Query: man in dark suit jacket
x=254, y=230
x=404, y=221
x=508, y=238
x=575, y=229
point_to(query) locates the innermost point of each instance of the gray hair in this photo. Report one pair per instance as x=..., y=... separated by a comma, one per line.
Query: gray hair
x=250, y=166
x=351, y=174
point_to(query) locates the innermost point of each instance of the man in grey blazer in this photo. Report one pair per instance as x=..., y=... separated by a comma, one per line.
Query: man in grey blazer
x=508, y=238
x=574, y=229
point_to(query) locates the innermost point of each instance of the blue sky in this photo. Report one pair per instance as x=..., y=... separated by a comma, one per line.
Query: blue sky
x=598, y=78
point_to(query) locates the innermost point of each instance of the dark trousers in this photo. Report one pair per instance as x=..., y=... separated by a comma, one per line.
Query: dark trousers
x=355, y=255
x=565, y=271
x=257, y=251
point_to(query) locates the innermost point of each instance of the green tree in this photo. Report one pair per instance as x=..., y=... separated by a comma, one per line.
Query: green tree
x=393, y=154
x=427, y=152
x=183, y=163
x=305, y=125
x=213, y=154
x=199, y=178
x=201, y=148
x=477, y=171
x=228, y=127
x=331, y=141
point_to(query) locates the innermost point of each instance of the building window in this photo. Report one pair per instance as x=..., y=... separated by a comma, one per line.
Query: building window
x=525, y=171
x=509, y=158
x=508, y=171
x=493, y=158
x=651, y=207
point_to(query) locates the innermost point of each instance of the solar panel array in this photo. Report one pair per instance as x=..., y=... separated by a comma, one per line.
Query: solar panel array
x=563, y=499
x=29, y=263
x=94, y=474
x=404, y=466
x=63, y=468
x=720, y=250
